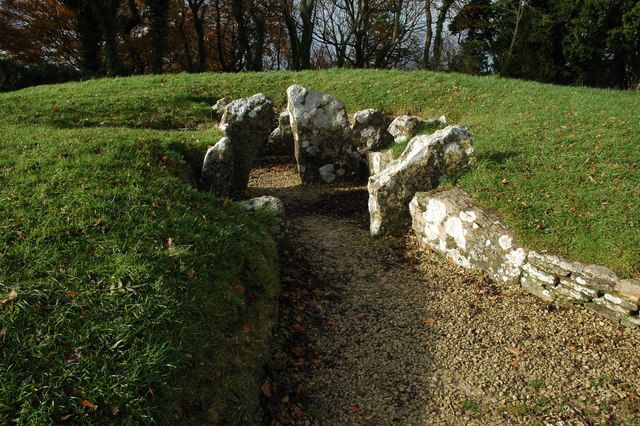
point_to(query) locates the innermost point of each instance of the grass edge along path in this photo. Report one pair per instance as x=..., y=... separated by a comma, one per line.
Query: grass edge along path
x=126, y=295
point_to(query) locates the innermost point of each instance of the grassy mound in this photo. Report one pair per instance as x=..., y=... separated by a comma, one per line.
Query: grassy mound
x=126, y=289
x=126, y=295
x=561, y=164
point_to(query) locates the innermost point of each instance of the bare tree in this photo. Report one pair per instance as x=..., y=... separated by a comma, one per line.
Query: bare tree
x=437, y=42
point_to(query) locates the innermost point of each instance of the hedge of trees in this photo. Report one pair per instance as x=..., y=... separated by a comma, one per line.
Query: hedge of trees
x=588, y=42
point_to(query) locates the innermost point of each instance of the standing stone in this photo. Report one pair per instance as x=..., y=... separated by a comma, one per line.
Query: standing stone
x=378, y=160
x=247, y=123
x=324, y=146
x=218, y=109
x=406, y=127
x=425, y=161
x=280, y=141
x=217, y=169
x=370, y=130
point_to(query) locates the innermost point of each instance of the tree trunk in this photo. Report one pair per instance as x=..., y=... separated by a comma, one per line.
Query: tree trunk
x=106, y=12
x=307, y=14
x=197, y=12
x=437, y=42
x=428, y=34
x=158, y=17
x=243, y=55
x=292, y=32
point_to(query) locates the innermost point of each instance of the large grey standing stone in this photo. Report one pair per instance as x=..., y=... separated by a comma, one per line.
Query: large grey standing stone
x=217, y=168
x=324, y=146
x=378, y=160
x=280, y=141
x=447, y=221
x=405, y=127
x=370, y=130
x=425, y=161
x=247, y=123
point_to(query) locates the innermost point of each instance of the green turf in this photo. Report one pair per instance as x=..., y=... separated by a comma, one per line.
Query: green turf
x=131, y=290
x=81, y=172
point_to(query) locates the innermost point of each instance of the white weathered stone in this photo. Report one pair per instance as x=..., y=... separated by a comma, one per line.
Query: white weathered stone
x=436, y=221
x=280, y=142
x=217, y=168
x=420, y=167
x=273, y=207
x=405, y=127
x=218, y=109
x=629, y=289
x=378, y=160
x=370, y=130
x=322, y=136
x=247, y=123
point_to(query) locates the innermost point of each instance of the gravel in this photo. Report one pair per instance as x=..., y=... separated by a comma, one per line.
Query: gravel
x=376, y=331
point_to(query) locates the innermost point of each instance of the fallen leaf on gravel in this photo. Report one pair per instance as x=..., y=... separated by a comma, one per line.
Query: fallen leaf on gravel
x=430, y=322
x=297, y=411
x=356, y=409
x=298, y=362
x=378, y=383
x=267, y=390
x=515, y=364
x=285, y=399
x=361, y=315
x=299, y=328
x=572, y=346
x=298, y=350
x=515, y=351
x=315, y=361
x=299, y=392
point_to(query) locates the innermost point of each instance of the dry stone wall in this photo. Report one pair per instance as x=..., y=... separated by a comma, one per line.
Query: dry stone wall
x=448, y=222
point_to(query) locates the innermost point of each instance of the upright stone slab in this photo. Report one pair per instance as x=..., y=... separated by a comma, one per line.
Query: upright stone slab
x=448, y=222
x=280, y=141
x=379, y=160
x=247, y=123
x=217, y=168
x=370, y=130
x=406, y=127
x=324, y=146
x=425, y=161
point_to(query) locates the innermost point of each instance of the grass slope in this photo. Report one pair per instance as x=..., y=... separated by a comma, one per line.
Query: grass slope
x=126, y=295
x=134, y=290
x=561, y=164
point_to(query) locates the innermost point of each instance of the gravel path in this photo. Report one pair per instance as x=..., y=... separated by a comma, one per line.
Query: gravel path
x=376, y=331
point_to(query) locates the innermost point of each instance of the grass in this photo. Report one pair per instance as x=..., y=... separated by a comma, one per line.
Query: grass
x=141, y=295
x=560, y=164
x=126, y=296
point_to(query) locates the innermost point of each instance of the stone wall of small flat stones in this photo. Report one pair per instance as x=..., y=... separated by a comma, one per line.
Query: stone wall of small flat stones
x=448, y=222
